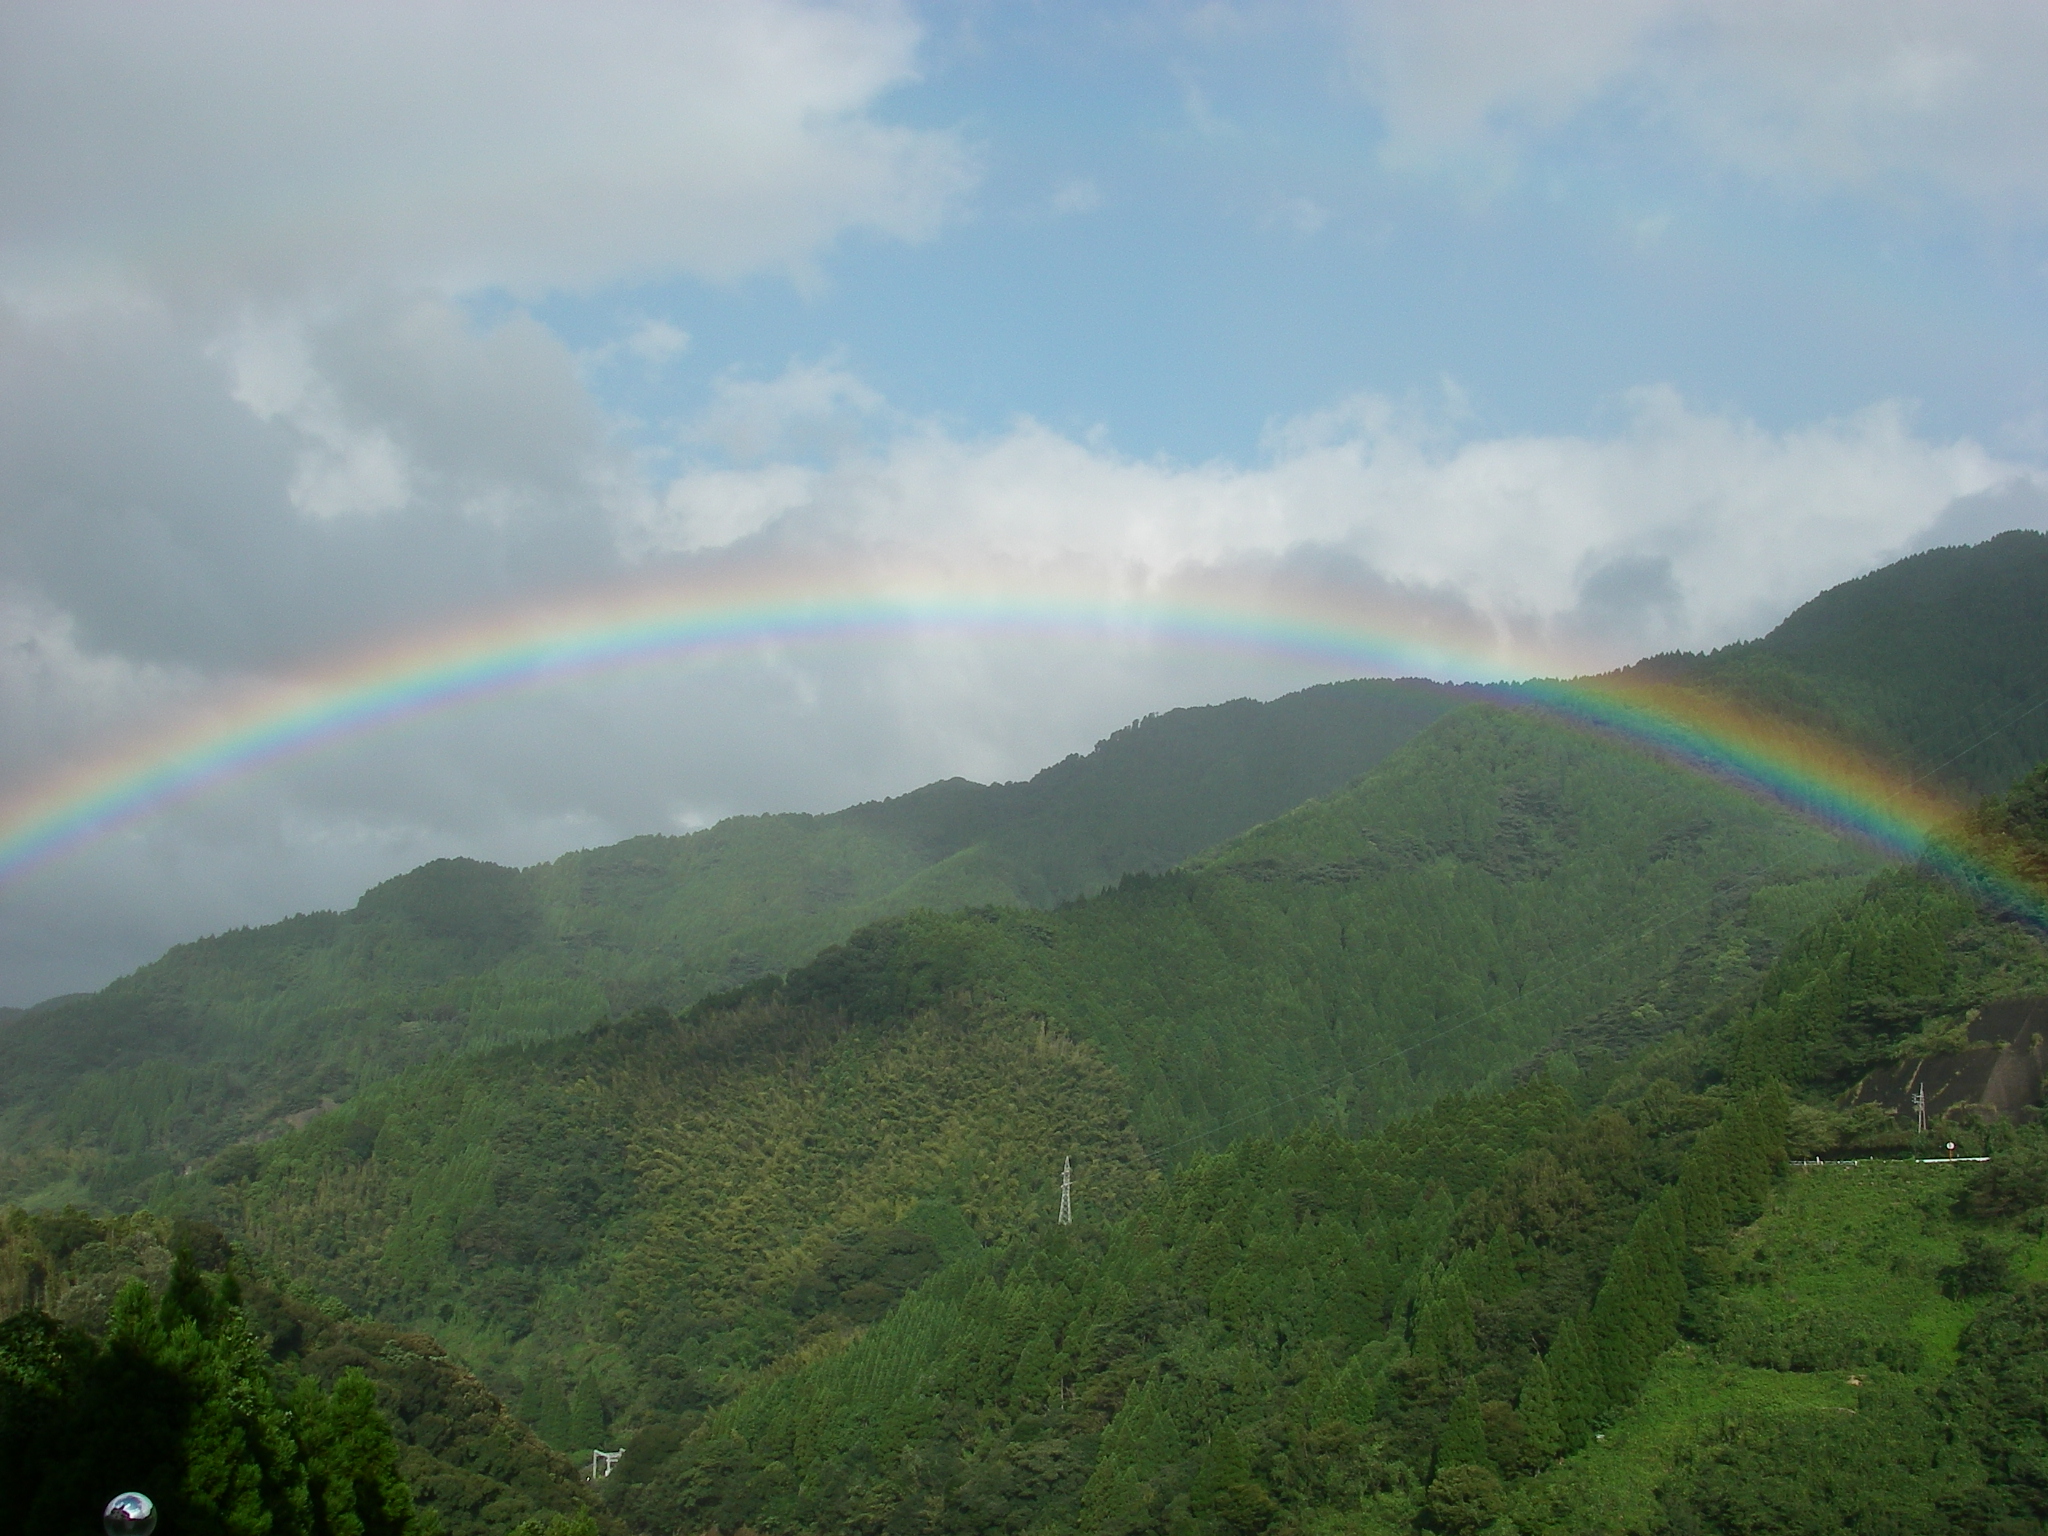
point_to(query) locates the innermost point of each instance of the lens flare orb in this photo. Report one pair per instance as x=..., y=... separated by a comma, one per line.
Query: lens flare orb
x=129, y=1514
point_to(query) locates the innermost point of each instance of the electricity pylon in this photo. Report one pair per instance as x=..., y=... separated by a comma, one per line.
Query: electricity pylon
x=1067, y=1194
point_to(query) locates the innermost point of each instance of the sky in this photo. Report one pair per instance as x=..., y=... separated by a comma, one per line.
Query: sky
x=1587, y=330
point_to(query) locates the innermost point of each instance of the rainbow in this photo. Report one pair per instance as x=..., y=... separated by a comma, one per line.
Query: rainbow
x=738, y=611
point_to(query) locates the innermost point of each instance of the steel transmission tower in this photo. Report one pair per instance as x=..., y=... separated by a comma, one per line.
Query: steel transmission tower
x=1067, y=1194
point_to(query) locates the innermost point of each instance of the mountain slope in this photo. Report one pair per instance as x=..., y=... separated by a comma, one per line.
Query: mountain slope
x=1499, y=885
x=1597, y=1301
x=663, y=1210
x=1443, y=919
x=1938, y=662
x=1928, y=662
x=665, y=1220
x=247, y=1033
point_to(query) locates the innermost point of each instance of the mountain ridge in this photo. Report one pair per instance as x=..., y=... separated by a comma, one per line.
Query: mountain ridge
x=229, y=1037
x=1422, y=1130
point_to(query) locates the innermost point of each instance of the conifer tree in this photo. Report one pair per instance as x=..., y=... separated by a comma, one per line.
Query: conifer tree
x=1575, y=1383
x=1538, y=1407
x=1223, y=1463
x=186, y=1412
x=1463, y=1441
x=355, y=1485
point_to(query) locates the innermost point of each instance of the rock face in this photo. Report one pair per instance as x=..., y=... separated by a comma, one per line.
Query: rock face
x=1997, y=1077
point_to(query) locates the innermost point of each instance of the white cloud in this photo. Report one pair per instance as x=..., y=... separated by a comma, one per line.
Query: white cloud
x=227, y=150
x=1869, y=94
x=652, y=342
x=808, y=409
x=300, y=485
x=715, y=508
x=1681, y=528
x=343, y=469
x=1677, y=527
x=657, y=343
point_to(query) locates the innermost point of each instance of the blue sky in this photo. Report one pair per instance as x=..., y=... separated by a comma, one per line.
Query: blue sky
x=1582, y=331
x=1178, y=238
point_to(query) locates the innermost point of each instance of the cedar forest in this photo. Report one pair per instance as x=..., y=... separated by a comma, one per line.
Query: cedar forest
x=1461, y=1108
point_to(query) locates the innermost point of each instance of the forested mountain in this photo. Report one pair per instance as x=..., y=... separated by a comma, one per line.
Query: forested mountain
x=1598, y=1300
x=1594, y=1302
x=1429, y=1145
x=243, y=1035
x=1935, y=662
x=253, y=1031
x=664, y=1208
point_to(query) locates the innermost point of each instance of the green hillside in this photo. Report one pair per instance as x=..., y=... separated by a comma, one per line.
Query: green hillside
x=103, y=1098
x=1428, y=1139
x=1935, y=662
x=1598, y=1301
x=661, y=1210
x=250, y=1032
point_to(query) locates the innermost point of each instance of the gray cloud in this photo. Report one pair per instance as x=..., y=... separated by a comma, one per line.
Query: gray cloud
x=2017, y=503
x=172, y=522
x=221, y=151
x=1631, y=600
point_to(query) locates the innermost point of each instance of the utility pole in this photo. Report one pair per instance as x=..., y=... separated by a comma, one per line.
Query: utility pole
x=1067, y=1194
x=1920, y=1107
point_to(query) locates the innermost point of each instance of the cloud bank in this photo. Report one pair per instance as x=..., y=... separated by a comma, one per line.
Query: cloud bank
x=236, y=153
x=276, y=386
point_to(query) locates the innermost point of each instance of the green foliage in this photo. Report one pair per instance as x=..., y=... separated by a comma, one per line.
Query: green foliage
x=107, y=1097
x=380, y=1409
x=1850, y=988
x=665, y=1207
x=1457, y=1301
x=1442, y=920
x=1463, y=1442
x=1983, y=1267
x=794, y=1249
x=1878, y=1468
x=647, y=1215
x=179, y=1403
x=1287, y=1330
x=2014, y=1184
x=1999, y=1394
x=1464, y=1497
x=1815, y=1343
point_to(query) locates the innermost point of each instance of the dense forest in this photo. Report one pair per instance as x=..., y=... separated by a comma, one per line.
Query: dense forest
x=102, y=1098
x=657, y=1211
x=1595, y=1301
x=1443, y=1143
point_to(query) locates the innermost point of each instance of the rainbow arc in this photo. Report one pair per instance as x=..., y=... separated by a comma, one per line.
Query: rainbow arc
x=649, y=624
